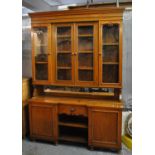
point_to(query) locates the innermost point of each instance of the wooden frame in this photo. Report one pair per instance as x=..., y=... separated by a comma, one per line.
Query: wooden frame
x=92, y=141
x=110, y=85
x=35, y=81
x=95, y=54
x=56, y=81
x=53, y=135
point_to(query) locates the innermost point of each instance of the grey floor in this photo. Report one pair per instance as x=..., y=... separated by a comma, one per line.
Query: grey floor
x=40, y=148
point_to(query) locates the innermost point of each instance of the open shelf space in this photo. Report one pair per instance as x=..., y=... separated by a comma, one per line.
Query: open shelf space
x=73, y=139
x=73, y=134
x=76, y=125
x=73, y=121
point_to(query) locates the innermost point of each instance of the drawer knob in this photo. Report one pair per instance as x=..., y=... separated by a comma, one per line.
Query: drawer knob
x=72, y=109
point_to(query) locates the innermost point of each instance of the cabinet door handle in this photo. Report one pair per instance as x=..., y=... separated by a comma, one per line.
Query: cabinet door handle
x=72, y=109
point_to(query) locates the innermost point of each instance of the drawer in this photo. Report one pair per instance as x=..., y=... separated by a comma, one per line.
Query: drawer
x=73, y=110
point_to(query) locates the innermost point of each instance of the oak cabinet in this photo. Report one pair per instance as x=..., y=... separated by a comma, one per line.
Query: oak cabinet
x=79, y=49
x=105, y=128
x=43, y=122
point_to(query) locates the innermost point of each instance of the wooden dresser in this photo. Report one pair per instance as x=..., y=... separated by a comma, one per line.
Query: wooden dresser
x=92, y=121
x=80, y=49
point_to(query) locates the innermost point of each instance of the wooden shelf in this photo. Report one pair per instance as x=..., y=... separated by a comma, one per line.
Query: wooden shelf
x=41, y=45
x=85, y=35
x=110, y=63
x=73, y=138
x=63, y=36
x=110, y=44
x=72, y=93
x=63, y=52
x=91, y=52
x=41, y=62
x=76, y=125
x=85, y=68
x=64, y=68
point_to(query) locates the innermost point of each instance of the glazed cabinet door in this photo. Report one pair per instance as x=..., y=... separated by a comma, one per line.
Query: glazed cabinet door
x=43, y=122
x=63, y=50
x=104, y=128
x=41, y=54
x=110, y=54
x=86, y=54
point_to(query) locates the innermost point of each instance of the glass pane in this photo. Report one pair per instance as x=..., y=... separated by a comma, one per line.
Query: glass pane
x=63, y=44
x=111, y=33
x=40, y=44
x=110, y=73
x=85, y=43
x=64, y=74
x=85, y=59
x=86, y=75
x=64, y=50
x=64, y=31
x=41, y=71
x=85, y=30
x=110, y=54
x=64, y=60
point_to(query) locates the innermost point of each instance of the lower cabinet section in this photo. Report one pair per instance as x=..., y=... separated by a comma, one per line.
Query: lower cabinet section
x=98, y=127
x=105, y=128
x=43, y=122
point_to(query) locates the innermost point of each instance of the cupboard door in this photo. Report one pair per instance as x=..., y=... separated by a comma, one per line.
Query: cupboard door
x=110, y=54
x=104, y=128
x=41, y=54
x=64, y=54
x=86, y=35
x=42, y=122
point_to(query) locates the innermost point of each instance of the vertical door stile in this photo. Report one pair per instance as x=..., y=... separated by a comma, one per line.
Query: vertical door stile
x=50, y=71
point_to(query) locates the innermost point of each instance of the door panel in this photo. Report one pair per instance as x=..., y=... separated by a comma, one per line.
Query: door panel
x=64, y=64
x=42, y=121
x=110, y=62
x=105, y=128
x=41, y=54
x=86, y=40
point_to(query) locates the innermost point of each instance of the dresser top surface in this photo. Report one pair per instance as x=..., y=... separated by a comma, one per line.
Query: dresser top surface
x=110, y=103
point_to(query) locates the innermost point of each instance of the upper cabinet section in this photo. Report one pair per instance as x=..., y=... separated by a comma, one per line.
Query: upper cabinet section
x=78, y=47
x=40, y=54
